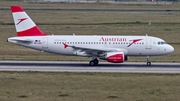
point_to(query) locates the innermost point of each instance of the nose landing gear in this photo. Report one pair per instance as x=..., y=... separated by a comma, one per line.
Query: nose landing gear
x=148, y=61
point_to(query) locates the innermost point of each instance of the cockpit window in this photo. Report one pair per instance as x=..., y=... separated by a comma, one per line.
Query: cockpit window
x=161, y=43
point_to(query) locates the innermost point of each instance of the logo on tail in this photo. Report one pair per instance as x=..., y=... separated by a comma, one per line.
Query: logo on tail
x=21, y=20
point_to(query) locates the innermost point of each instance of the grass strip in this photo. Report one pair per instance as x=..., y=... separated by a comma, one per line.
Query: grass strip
x=45, y=86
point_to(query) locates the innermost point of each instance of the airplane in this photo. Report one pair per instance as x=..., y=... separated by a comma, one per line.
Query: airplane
x=114, y=49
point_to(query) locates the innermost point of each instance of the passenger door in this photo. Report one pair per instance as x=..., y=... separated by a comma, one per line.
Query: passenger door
x=45, y=44
x=148, y=43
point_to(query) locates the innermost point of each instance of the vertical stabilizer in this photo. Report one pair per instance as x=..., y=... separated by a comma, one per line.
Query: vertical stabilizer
x=23, y=23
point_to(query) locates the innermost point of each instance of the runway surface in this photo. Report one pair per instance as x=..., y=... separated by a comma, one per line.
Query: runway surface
x=67, y=66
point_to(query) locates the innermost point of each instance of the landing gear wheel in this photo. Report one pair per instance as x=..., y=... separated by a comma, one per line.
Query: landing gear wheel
x=148, y=63
x=96, y=61
x=93, y=62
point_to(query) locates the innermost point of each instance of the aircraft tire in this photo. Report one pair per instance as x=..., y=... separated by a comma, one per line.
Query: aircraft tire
x=91, y=63
x=148, y=63
x=96, y=61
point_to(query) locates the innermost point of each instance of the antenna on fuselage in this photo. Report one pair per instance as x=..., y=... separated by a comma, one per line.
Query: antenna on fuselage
x=146, y=35
x=74, y=34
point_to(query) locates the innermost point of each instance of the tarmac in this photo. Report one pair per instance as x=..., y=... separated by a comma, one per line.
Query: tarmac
x=74, y=66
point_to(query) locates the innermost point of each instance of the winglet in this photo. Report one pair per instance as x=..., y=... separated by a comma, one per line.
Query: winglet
x=24, y=24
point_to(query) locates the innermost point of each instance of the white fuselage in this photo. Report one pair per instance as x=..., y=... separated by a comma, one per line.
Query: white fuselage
x=145, y=46
x=115, y=49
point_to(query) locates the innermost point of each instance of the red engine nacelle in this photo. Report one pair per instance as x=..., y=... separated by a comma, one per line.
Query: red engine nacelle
x=115, y=57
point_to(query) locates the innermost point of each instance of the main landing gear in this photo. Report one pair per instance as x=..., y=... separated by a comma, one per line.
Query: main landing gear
x=94, y=62
x=148, y=61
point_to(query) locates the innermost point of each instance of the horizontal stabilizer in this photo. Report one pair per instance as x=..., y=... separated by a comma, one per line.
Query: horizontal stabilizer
x=23, y=41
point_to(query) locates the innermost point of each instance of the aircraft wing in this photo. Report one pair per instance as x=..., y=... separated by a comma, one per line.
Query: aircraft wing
x=96, y=50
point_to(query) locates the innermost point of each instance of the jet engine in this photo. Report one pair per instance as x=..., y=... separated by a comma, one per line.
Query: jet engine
x=116, y=57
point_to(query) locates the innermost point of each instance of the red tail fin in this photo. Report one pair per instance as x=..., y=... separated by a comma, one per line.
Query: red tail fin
x=24, y=24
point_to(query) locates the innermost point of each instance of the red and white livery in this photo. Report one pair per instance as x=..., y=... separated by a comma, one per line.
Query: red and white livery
x=115, y=49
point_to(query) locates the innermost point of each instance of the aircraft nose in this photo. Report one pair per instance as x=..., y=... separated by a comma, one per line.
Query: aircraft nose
x=170, y=49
